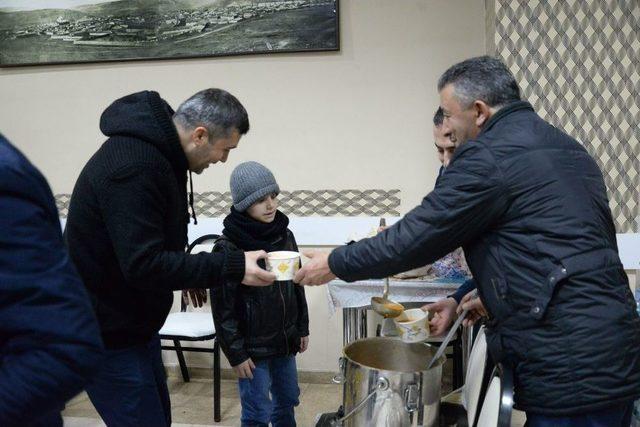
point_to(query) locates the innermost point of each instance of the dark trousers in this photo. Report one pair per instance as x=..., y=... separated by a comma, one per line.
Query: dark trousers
x=131, y=388
x=51, y=419
x=613, y=416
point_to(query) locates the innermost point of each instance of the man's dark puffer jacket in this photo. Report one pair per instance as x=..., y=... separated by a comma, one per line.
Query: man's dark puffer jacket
x=259, y=322
x=529, y=206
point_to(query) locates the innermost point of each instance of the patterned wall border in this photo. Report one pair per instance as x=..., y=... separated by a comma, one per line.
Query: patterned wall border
x=303, y=203
x=577, y=62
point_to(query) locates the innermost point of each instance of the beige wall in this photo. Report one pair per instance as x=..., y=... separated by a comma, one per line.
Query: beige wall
x=358, y=118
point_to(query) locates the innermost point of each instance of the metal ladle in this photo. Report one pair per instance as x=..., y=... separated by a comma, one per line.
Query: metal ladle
x=384, y=306
x=387, y=309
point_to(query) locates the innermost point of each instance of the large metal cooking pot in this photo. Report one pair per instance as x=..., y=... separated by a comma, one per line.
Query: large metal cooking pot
x=386, y=384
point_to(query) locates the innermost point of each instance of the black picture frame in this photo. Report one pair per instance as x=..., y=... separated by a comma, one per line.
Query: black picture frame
x=142, y=30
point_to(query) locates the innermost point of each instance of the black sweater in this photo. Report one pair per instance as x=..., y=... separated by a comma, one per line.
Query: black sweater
x=127, y=223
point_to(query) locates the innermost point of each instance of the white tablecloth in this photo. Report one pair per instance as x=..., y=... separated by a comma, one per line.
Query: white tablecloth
x=341, y=294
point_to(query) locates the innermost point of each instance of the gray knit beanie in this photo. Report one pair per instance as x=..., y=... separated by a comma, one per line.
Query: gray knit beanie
x=250, y=182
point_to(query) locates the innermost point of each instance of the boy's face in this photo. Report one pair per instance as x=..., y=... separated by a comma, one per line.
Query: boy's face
x=264, y=210
x=444, y=145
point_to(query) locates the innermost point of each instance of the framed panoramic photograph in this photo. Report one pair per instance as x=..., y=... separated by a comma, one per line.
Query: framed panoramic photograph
x=70, y=31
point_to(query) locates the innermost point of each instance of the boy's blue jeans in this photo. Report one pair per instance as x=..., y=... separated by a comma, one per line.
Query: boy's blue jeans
x=279, y=377
x=131, y=388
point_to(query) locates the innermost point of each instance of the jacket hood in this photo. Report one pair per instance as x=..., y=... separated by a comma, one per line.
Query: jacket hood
x=145, y=116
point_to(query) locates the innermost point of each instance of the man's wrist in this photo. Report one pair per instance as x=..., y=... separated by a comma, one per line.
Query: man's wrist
x=331, y=262
x=234, y=266
x=239, y=360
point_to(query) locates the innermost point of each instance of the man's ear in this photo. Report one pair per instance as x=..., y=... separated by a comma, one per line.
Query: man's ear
x=482, y=112
x=200, y=135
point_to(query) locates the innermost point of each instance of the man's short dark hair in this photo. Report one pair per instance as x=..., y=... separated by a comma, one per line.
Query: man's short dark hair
x=215, y=109
x=438, y=117
x=482, y=78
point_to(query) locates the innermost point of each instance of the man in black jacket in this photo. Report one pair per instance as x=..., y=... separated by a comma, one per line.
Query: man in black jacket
x=49, y=339
x=529, y=206
x=127, y=232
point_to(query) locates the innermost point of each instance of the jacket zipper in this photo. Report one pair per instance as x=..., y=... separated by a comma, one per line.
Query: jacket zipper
x=284, y=317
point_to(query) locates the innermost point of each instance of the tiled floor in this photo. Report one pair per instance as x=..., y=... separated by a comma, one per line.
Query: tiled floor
x=192, y=404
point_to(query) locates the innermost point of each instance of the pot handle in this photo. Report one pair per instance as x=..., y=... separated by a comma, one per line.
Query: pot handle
x=411, y=397
x=381, y=385
x=340, y=378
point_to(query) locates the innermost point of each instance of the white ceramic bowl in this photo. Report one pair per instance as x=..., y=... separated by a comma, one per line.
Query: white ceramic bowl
x=413, y=325
x=284, y=264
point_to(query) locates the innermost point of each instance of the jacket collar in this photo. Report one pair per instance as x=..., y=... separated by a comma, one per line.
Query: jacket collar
x=505, y=111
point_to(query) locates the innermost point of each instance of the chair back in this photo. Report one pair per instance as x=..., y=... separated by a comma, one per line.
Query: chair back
x=201, y=244
x=498, y=401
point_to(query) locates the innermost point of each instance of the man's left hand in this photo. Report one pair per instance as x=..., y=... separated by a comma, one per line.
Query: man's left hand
x=304, y=344
x=198, y=296
x=476, y=309
x=316, y=270
x=444, y=313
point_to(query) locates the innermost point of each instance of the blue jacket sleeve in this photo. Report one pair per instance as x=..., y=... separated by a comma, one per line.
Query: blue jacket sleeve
x=464, y=289
x=49, y=337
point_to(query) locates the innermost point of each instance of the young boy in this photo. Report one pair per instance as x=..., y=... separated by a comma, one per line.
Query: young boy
x=260, y=329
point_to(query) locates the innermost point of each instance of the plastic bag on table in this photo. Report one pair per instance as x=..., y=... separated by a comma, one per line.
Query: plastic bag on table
x=451, y=266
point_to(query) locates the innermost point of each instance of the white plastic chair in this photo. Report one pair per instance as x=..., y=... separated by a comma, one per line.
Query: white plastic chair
x=195, y=326
x=473, y=391
x=498, y=401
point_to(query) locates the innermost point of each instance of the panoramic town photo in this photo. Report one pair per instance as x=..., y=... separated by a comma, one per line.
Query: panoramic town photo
x=59, y=31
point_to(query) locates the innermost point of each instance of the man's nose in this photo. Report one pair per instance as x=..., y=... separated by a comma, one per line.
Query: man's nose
x=447, y=130
x=446, y=126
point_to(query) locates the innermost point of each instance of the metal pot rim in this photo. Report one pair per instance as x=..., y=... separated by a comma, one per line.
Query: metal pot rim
x=432, y=351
